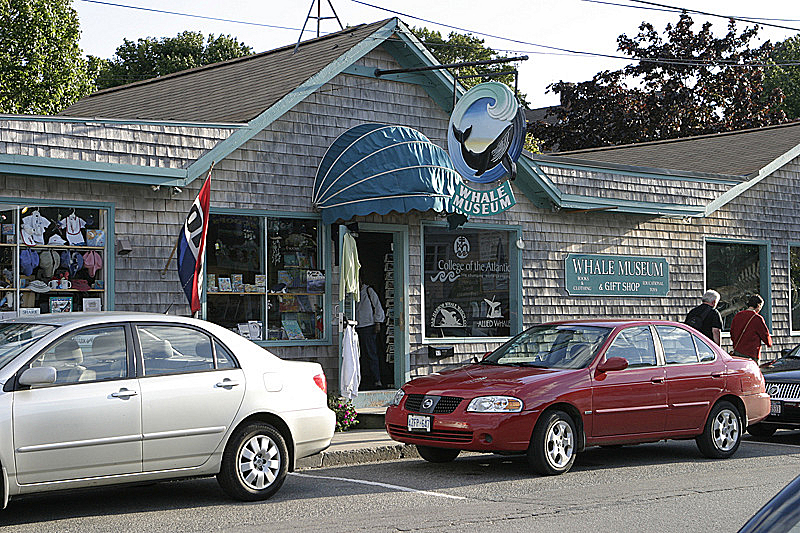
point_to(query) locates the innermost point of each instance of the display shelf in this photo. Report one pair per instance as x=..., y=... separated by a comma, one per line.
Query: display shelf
x=62, y=290
x=251, y=293
x=59, y=247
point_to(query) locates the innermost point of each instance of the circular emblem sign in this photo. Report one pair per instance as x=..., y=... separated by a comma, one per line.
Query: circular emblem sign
x=461, y=247
x=486, y=133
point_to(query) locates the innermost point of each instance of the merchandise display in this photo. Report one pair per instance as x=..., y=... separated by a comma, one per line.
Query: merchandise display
x=56, y=276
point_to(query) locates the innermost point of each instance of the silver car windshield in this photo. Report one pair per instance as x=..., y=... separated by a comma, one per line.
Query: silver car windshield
x=551, y=346
x=14, y=338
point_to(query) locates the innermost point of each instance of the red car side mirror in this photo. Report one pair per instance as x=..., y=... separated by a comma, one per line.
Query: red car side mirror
x=613, y=363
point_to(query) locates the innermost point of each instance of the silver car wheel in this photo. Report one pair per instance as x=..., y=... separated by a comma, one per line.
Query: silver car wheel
x=726, y=430
x=559, y=444
x=259, y=462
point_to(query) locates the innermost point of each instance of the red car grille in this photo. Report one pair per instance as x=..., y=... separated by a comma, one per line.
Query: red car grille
x=441, y=435
x=446, y=404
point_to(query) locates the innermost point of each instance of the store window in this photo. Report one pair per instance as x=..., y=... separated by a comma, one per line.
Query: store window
x=264, y=277
x=735, y=271
x=52, y=259
x=467, y=281
x=794, y=279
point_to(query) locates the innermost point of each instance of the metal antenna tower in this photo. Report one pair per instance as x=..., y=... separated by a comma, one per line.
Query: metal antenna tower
x=319, y=19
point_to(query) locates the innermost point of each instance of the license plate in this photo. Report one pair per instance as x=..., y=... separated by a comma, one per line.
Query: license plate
x=775, y=408
x=419, y=423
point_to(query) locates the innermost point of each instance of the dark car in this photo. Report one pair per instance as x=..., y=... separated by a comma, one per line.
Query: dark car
x=789, y=360
x=784, y=392
x=557, y=388
x=779, y=515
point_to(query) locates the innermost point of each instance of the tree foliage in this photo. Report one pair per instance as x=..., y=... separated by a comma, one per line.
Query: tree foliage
x=462, y=48
x=784, y=76
x=151, y=57
x=683, y=84
x=42, y=70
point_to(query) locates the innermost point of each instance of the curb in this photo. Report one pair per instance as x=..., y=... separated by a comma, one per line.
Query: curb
x=359, y=456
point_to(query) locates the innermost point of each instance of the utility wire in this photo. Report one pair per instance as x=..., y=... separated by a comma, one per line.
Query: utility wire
x=706, y=13
x=678, y=10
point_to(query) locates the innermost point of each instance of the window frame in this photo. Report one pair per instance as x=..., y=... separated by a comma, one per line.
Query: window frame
x=794, y=329
x=324, y=251
x=514, y=290
x=658, y=349
x=692, y=337
x=139, y=355
x=764, y=272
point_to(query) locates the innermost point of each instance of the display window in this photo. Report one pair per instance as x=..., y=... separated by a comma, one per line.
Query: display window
x=794, y=280
x=264, y=277
x=467, y=281
x=52, y=259
x=735, y=271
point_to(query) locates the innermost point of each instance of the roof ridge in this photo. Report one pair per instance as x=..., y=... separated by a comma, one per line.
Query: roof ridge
x=793, y=123
x=227, y=62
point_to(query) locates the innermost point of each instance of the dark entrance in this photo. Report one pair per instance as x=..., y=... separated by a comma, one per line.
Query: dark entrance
x=377, y=271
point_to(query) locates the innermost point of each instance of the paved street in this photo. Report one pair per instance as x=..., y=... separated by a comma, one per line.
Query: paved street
x=660, y=487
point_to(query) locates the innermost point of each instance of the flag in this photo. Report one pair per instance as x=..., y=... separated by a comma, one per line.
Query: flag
x=191, y=245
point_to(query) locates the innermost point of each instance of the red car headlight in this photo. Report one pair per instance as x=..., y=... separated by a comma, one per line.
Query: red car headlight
x=495, y=404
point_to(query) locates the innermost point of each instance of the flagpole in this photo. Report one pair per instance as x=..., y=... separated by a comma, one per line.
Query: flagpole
x=172, y=253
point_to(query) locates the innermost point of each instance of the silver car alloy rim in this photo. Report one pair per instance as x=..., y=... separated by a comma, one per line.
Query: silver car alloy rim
x=259, y=462
x=559, y=444
x=726, y=430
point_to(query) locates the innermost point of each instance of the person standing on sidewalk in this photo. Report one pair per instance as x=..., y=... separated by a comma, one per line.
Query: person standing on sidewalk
x=748, y=330
x=705, y=318
x=369, y=314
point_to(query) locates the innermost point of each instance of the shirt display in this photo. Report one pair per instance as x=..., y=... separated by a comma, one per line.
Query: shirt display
x=33, y=227
x=74, y=224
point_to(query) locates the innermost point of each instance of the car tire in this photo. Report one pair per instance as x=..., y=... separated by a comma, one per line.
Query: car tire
x=255, y=463
x=722, y=433
x=552, y=449
x=761, y=430
x=437, y=455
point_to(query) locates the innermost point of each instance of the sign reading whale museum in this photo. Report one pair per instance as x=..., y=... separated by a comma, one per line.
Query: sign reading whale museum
x=472, y=202
x=616, y=275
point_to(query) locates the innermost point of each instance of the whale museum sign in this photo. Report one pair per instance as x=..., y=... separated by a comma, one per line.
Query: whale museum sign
x=484, y=139
x=616, y=275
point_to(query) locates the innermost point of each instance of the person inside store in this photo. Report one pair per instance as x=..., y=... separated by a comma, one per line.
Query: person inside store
x=705, y=318
x=748, y=330
x=369, y=315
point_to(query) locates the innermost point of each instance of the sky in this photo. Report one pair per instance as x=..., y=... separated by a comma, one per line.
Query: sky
x=579, y=25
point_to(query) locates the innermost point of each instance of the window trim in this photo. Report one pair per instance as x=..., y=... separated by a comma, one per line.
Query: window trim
x=140, y=356
x=514, y=290
x=764, y=272
x=692, y=336
x=792, y=325
x=325, y=255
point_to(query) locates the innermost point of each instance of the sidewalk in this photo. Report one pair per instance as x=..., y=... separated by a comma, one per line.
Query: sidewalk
x=358, y=446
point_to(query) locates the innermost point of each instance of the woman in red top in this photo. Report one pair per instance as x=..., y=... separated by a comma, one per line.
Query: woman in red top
x=748, y=330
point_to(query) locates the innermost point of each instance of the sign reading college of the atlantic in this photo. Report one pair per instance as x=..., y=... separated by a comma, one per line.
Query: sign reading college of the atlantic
x=484, y=140
x=616, y=275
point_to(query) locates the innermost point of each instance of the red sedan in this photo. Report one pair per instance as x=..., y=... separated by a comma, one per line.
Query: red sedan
x=557, y=388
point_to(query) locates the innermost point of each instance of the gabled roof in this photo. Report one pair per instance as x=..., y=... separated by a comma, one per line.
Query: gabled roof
x=737, y=153
x=729, y=163
x=237, y=90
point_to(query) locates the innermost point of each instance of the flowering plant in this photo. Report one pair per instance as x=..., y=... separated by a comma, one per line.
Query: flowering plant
x=345, y=412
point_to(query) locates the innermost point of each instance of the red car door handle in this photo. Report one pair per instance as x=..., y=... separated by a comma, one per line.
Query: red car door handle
x=657, y=379
x=717, y=374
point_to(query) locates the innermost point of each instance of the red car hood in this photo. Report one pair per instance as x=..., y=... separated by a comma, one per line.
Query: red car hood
x=478, y=380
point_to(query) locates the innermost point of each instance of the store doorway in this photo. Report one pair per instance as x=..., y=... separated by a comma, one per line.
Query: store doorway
x=375, y=253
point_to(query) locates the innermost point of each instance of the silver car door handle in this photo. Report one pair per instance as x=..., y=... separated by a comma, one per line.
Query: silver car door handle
x=227, y=383
x=124, y=393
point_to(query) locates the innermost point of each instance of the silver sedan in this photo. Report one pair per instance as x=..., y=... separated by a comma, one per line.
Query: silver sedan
x=93, y=399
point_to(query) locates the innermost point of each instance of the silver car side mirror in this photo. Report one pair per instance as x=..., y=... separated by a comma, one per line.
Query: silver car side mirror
x=38, y=375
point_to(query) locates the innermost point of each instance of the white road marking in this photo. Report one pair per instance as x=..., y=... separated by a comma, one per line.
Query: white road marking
x=384, y=485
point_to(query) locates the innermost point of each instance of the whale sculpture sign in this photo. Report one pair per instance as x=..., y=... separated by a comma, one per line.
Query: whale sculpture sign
x=486, y=133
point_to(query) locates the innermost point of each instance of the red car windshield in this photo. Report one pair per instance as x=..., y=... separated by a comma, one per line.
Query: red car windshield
x=551, y=346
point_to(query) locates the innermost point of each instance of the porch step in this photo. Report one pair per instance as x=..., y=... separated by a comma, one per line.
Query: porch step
x=371, y=417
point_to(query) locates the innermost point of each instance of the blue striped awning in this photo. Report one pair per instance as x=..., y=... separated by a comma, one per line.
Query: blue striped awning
x=377, y=168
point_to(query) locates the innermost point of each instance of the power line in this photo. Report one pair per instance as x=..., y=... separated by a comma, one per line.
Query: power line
x=678, y=10
x=706, y=13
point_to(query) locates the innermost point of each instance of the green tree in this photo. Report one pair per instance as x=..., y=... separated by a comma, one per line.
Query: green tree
x=784, y=76
x=683, y=84
x=42, y=70
x=151, y=57
x=462, y=48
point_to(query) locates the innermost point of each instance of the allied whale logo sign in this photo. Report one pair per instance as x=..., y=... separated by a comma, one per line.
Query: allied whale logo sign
x=486, y=133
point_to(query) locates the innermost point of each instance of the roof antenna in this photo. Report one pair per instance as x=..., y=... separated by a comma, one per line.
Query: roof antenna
x=319, y=18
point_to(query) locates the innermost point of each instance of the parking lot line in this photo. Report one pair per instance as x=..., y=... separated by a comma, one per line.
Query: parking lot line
x=378, y=484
